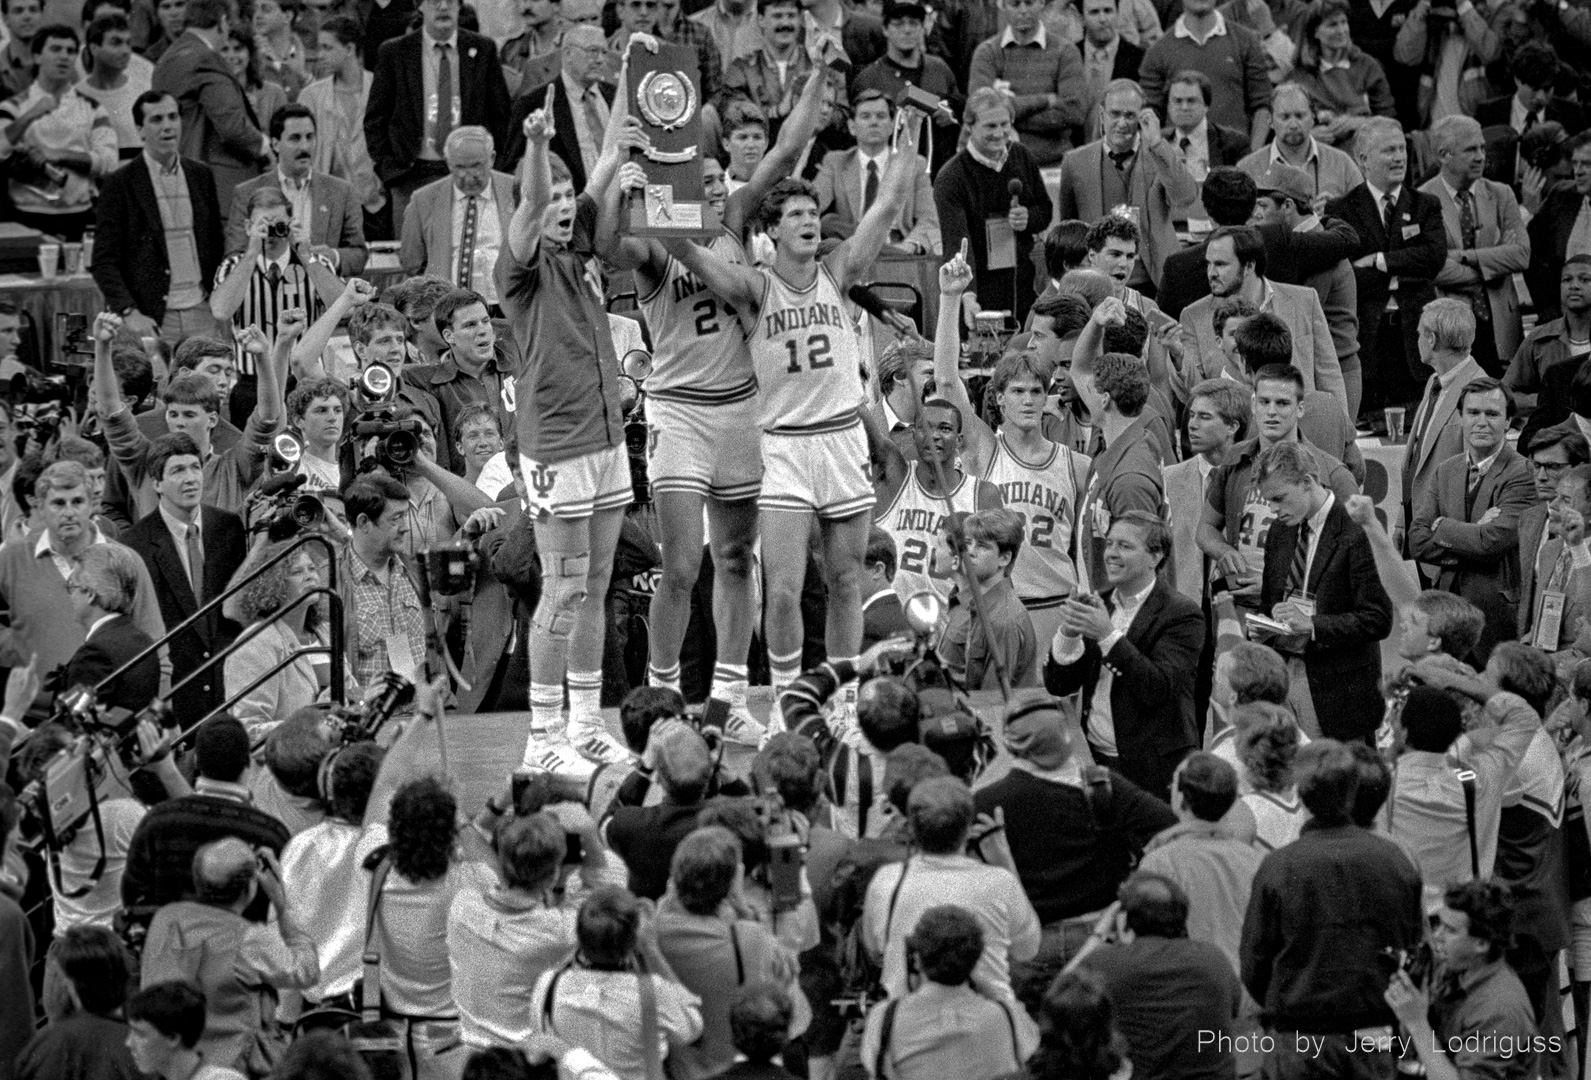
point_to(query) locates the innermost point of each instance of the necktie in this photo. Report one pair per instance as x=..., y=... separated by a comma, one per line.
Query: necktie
x=1467, y=228
x=1422, y=418
x=444, y=97
x=195, y=548
x=1183, y=144
x=1120, y=158
x=1388, y=203
x=273, y=274
x=1560, y=570
x=1296, y=578
x=1532, y=118
x=466, y=271
x=596, y=123
x=870, y=189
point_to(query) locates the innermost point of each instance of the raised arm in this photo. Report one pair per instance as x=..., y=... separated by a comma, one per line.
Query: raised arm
x=739, y=286
x=625, y=252
x=1397, y=577
x=884, y=451
x=308, y=359
x=535, y=181
x=977, y=440
x=780, y=161
x=856, y=255
x=107, y=387
x=268, y=406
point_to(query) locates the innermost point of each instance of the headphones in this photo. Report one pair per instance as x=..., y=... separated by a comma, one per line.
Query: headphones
x=324, y=782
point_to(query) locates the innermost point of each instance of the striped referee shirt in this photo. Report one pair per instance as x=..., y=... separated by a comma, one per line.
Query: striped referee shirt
x=267, y=299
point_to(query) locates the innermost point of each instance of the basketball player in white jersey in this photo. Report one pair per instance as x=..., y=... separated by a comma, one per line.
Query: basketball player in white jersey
x=705, y=447
x=806, y=355
x=1040, y=479
x=912, y=506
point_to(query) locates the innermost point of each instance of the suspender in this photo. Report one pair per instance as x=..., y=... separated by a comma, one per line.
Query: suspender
x=1467, y=778
x=886, y=1030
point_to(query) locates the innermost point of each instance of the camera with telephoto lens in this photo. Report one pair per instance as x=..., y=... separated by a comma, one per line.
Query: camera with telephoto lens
x=787, y=852
x=363, y=723
x=531, y=790
x=451, y=567
x=278, y=229
x=396, y=441
x=1417, y=962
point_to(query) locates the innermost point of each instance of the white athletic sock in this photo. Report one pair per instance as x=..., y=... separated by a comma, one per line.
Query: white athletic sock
x=668, y=677
x=585, y=694
x=729, y=684
x=546, y=707
x=784, y=670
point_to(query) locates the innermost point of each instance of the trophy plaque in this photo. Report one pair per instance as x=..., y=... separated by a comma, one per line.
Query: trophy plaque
x=667, y=98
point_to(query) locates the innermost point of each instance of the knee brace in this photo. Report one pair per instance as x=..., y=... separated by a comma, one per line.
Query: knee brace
x=563, y=588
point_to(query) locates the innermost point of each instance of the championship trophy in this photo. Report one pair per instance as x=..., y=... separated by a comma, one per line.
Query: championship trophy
x=667, y=90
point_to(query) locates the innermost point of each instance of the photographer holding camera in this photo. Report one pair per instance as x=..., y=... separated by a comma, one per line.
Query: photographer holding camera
x=239, y=965
x=1474, y=1018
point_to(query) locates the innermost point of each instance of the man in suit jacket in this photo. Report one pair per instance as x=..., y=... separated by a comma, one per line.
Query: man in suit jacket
x=431, y=239
x=1313, y=547
x=1235, y=258
x=403, y=128
x=1132, y=166
x=883, y=615
x=1218, y=412
x=1466, y=524
x=1107, y=56
x=325, y=206
x=216, y=540
x=1537, y=73
x=1552, y=228
x=219, y=127
x=101, y=588
x=1486, y=240
x=844, y=190
x=1435, y=429
x=1132, y=651
x=1549, y=557
x=1293, y=257
x=1402, y=243
x=133, y=254
x=580, y=84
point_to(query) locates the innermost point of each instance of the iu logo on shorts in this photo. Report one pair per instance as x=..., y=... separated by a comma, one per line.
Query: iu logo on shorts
x=542, y=479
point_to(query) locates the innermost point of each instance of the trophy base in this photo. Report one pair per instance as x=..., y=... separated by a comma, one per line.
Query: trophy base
x=660, y=215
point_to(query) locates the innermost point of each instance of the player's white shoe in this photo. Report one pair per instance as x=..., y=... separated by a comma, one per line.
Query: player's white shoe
x=743, y=728
x=588, y=736
x=551, y=751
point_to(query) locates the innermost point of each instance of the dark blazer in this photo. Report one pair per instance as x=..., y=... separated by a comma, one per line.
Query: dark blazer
x=336, y=218
x=225, y=545
x=1532, y=523
x=1227, y=147
x=1416, y=251
x=130, y=263
x=1502, y=141
x=1151, y=692
x=1352, y=616
x=112, y=645
x=564, y=144
x=1549, y=238
x=395, y=112
x=1478, y=562
x=218, y=123
x=1128, y=59
x=1290, y=257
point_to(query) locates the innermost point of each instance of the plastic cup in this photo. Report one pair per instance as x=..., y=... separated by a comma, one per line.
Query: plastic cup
x=74, y=258
x=1394, y=423
x=49, y=259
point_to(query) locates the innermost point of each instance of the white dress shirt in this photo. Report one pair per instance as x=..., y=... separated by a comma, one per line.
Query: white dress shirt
x=179, y=535
x=1068, y=649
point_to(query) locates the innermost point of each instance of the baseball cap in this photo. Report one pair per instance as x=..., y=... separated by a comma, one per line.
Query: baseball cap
x=903, y=9
x=1288, y=182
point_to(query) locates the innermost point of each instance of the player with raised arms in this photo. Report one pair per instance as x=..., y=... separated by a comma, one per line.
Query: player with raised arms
x=805, y=352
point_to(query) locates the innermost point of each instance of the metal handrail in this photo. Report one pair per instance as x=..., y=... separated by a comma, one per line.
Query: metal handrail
x=337, y=656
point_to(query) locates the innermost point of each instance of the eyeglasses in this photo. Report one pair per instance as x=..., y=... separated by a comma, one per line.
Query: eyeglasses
x=79, y=587
x=1551, y=468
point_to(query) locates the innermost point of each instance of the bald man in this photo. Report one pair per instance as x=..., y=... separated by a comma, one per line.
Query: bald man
x=580, y=100
x=453, y=228
x=246, y=964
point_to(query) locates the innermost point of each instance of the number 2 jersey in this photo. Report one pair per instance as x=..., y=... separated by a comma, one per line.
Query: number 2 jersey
x=806, y=356
x=913, y=520
x=700, y=356
x=1047, y=495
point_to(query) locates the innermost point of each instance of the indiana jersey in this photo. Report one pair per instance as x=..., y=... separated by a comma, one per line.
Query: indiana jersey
x=700, y=355
x=913, y=519
x=806, y=356
x=1047, y=495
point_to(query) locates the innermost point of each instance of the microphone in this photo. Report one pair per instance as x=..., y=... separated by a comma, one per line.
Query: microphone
x=870, y=302
x=1015, y=188
x=282, y=481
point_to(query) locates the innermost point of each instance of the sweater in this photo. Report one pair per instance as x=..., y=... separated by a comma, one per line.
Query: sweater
x=968, y=193
x=1234, y=61
x=1035, y=71
x=1067, y=866
x=32, y=587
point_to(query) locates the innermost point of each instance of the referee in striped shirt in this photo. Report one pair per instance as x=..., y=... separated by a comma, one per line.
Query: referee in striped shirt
x=273, y=273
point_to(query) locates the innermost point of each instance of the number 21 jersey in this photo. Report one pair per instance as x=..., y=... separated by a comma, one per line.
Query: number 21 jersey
x=806, y=356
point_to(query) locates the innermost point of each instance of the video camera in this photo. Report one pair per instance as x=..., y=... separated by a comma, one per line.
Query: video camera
x=280, y=510
x=397, y=441
x=787, y=851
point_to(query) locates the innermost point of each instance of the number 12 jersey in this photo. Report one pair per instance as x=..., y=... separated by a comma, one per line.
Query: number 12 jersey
x=806, y=356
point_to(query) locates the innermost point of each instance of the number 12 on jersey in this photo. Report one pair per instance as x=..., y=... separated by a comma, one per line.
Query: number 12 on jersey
x=817, y=354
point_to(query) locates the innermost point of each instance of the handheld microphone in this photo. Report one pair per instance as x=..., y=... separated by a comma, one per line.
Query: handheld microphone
x=870, y=302
x=1015, y=188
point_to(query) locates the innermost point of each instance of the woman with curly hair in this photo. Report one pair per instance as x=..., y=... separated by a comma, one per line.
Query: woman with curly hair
x=239, y=52
x=265, y=600
x=1078, y=1039
x=1267, y=744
